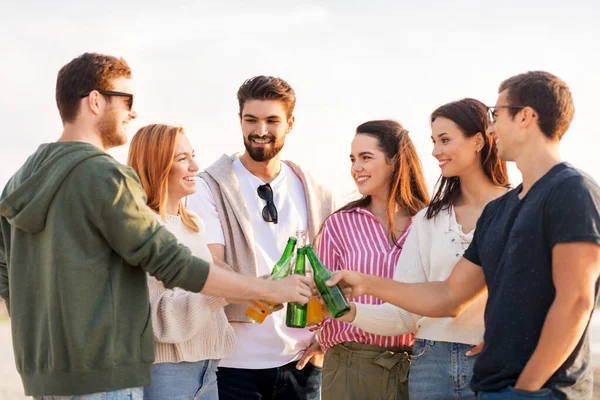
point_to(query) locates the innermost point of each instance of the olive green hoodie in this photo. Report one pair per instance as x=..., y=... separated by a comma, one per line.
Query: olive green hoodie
x=76, y=240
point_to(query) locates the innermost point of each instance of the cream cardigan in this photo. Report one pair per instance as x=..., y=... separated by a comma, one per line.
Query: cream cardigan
x=431, y=251
x=188, y=326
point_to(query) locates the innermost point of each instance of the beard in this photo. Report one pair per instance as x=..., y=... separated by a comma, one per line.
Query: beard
x=261, y=154
x=110, y=131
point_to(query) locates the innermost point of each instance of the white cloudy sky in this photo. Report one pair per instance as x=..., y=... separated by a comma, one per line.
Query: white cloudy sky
x=348, y=62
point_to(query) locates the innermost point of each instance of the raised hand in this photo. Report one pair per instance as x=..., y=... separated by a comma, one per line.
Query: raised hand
x=292, y=289
x=353, y=284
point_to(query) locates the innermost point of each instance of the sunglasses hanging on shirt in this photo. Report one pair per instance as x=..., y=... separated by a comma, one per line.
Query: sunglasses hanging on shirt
x=269, y=212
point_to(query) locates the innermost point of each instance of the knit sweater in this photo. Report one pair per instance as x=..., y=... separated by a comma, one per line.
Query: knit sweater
x=188, y=326
x=431, y=251
x=239, y=239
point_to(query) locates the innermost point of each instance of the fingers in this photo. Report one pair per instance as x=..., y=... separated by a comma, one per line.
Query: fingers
x=336, y=278
x=310, y=352
x=315, y=291
x=254, y=304
x=304, y=279
x=475, y=350
x=302, y=362
x=277, y=307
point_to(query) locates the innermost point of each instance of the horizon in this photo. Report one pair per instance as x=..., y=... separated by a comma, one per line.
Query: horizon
x=347, y=64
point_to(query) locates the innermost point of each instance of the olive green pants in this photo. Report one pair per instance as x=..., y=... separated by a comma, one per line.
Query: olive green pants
x=355, y=371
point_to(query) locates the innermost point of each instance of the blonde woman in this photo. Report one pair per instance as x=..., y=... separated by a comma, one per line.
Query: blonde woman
x=191, y=331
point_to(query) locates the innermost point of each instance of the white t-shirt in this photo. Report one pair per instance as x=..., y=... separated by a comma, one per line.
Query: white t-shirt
x=270, y=344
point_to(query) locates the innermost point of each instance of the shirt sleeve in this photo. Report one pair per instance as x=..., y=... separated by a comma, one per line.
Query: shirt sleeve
x=203, y=204
x=116, y=205
x=472, y=252
x=572, y=211
x=387, y=319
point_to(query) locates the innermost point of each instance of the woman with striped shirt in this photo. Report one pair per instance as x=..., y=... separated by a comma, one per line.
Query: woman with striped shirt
x=367, y=235
x=471, y=176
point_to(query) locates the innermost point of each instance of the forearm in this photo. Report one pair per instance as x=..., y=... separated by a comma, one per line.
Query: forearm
x=431, y=299
x=384, y=319
x=224, y=283
x=564, y=325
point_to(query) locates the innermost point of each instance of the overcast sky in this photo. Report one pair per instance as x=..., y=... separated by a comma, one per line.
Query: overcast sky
x=348, y=62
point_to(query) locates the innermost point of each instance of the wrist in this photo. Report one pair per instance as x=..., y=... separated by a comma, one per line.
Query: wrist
x=368, y=283
x=350, y=316
x=527, y=384
x=266, y=289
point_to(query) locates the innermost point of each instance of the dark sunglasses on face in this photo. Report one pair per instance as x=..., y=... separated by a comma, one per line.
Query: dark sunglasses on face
x=111, y=93
x=269, y=212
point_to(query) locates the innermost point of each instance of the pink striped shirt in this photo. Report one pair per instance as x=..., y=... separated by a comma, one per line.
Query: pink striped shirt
x=355, y=240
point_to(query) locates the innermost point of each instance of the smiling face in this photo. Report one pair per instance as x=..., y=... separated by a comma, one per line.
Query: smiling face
x=505, y=129
x=264, y=127
x=112, y=124
x=456, y=153
x=182, y=176
x=371, y=170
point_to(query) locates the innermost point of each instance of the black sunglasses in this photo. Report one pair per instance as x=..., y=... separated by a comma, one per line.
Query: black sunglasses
x=269, y=212
x=111, y=93
x=492, y=109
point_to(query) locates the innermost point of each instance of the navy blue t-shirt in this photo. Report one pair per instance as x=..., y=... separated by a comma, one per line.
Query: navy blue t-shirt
x=513, y=243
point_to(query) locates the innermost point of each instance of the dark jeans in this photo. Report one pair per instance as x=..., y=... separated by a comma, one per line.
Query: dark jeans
x=511, y=393
x=283, y=383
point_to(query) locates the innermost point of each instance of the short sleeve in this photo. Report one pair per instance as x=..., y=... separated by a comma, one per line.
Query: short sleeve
x=572, y=211
x=203, y=204
x=472, y=252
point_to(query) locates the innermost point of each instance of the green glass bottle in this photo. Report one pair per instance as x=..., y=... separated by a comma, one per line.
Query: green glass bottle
x=281, y=269
x=296, y=313
x=332, y=296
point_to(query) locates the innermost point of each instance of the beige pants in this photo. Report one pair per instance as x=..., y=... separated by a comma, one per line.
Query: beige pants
x=355, y=371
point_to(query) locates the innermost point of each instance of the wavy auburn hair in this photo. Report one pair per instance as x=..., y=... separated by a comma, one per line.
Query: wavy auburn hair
x=151, y=155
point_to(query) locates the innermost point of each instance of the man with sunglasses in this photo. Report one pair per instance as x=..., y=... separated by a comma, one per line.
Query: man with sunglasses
x=76, y=242
x=251, y=204
x=536, y=249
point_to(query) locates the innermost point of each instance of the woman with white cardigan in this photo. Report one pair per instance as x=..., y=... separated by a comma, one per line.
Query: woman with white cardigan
x=472, y=176
x=191, y=331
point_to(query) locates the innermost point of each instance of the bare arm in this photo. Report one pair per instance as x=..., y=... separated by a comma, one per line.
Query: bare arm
x=431, y=299
x=575, y=270
x=223, y=283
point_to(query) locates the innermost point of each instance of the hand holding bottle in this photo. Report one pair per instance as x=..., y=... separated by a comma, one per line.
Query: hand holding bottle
x=353, y=284
x=292, y=289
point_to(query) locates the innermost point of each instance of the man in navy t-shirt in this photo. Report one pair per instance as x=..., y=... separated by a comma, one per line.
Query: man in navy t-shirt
x=536, y=249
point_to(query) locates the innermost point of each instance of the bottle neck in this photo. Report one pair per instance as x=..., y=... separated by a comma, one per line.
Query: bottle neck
x=300, y=262
x=289, y=249
x=317, y=265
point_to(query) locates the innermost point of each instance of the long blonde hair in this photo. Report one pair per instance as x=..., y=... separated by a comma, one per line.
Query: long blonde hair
x=151, y=156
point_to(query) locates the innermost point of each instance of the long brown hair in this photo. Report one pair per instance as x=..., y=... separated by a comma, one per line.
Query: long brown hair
x=151, y=155
x=407, y=188
x=471, y=117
